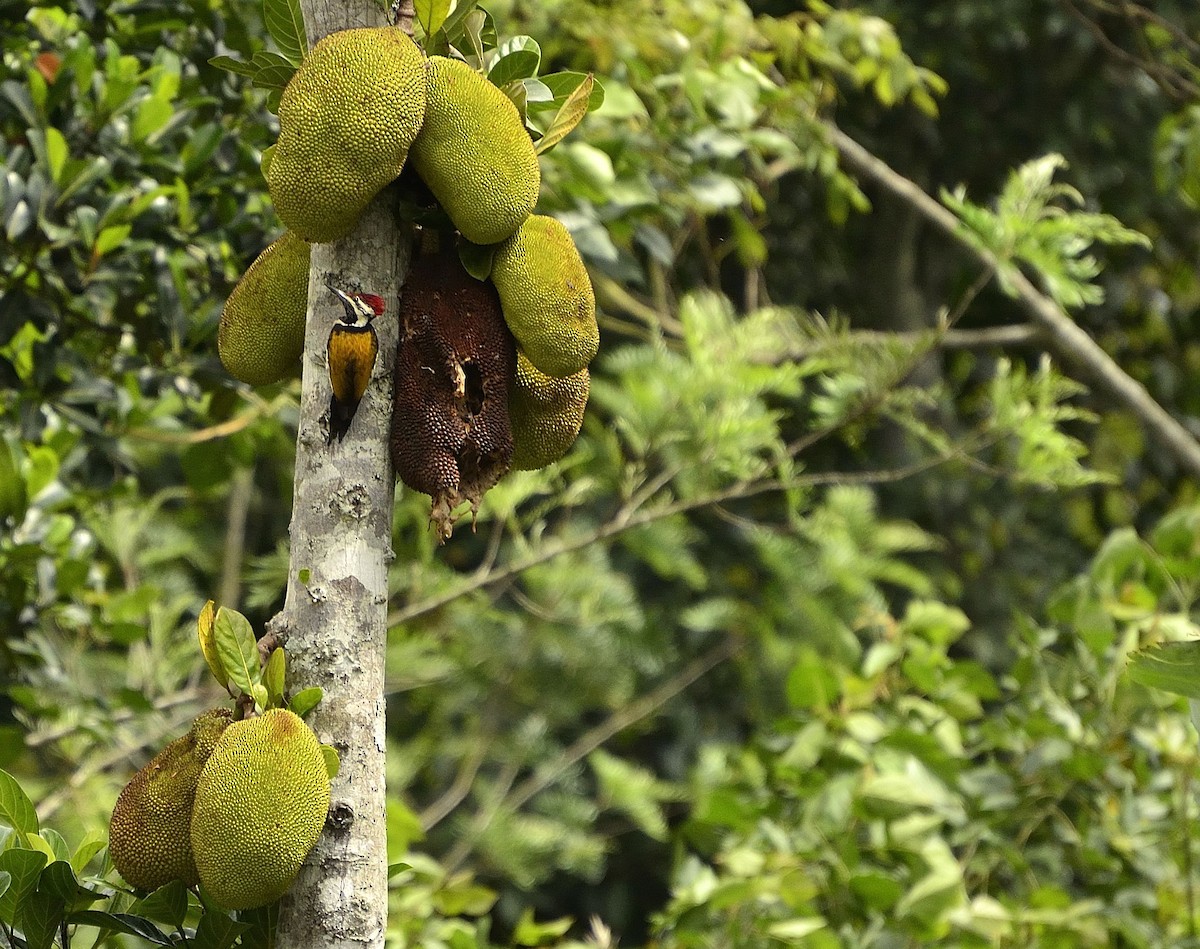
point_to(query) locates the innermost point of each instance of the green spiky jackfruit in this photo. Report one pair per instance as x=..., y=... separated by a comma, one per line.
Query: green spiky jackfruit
x=149, y=836
x=545, y=413
x=260, y=805
x=547, y=296
x=346, y=120
x=261, y=335
x=474, y=153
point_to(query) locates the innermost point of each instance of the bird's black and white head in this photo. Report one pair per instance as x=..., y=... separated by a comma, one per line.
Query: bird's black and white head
x=360, y=308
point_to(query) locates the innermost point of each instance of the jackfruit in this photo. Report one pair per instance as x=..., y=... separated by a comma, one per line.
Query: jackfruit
x=454, y=369
x=547, y=297
x=346, y=120
x=546, y=414
x=261, y=335
x=149, y=836
x=474, y=153
x=260, y=805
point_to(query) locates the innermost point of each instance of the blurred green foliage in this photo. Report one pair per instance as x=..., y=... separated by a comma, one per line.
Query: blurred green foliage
x=816, y=638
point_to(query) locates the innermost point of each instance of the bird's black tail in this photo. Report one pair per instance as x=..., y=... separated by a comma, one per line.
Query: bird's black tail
x=341, y=414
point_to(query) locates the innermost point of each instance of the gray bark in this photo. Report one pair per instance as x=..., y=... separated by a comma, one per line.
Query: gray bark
x=335, y=617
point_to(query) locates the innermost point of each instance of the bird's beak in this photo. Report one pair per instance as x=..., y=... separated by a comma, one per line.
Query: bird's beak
x=340, y=294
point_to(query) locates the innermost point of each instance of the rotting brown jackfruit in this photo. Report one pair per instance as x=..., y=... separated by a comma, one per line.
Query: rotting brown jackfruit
x=547, y=297
x=149, y=837
x=346, y=120
x=546, y=414
x=261, y=335
x=454, y=368
x=260, y=804
x=474, y=153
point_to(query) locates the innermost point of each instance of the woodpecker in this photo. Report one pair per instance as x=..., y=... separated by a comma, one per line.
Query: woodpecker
x=351, y=352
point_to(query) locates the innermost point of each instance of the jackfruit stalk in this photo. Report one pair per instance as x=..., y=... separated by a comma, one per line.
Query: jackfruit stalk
x=260, y=805
x=546, y=414
x=346, y=120
x=261, y=335
x=547, y=297
x=148, y=836
x=474, y=153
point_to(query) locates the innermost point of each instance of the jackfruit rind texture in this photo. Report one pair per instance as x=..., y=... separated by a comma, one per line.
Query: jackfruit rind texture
x=149, y=837
x=547, y=297
x=474, y=153
x=546, y=414
x=346, y=120
x=261, y=335
x=454, y=369
x=260, y=805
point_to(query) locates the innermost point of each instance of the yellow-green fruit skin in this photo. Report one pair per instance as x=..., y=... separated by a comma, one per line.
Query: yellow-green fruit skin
x=546, y=414
x=148, y=836
x=347, y=119
x=547, y=297
x=474, y=153
x=261, y=335
x=260, y=805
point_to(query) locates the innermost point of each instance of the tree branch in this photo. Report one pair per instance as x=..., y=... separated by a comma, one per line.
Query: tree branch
x=1064, y=337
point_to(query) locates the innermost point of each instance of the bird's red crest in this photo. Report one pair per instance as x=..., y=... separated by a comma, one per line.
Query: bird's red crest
x=374, y=302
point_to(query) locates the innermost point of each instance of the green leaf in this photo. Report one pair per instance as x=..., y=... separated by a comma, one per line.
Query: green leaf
x=57, y=153
x=110, y=238
x=58, y=846
x=16, y=810
x=528, y=932
x=208, y=643
x=332, y=761
x=23, y=866
x=1172, y=667
x=516, y=58
x=285, y=23
x=562, y=84
x=168, y=904
x=95, y=841
x=453, y=26
x=271, y=71
x=59, y=881
x=124, y=923
x=264, y=163
x=570, y=115
x=216, y=930
x=39, y=917
x=237, y=649
x=790, y=929
x=13, y=501
x=632, y=790
x=258, y=692
x=306, y=700
x=229, y=64
x=274, y=677
x=431, y=14
x=477, y=258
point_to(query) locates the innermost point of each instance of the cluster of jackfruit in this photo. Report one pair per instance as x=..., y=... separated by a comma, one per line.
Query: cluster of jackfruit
x=233, y=806
x=490, y=375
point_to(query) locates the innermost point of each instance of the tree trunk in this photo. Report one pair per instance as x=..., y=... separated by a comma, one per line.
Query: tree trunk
x=335, y=617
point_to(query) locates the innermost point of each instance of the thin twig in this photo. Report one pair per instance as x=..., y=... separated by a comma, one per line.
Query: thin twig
x=1064, y=336
x=459, y=788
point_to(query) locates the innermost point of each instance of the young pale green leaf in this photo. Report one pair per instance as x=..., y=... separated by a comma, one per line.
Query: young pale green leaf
x=570, y=115
x=12, y=486
x=306, y=700
x=332, y=762
x=237, y=648
x=431, y=14
x=124, y=923
x=274, y=677
x=261, y=698
x=58, y=846
x=285, y=23
x=1173, y=667
x=473, y=27
x=168, y=904
x=16, y=810
x=208, y=643
x=92, y=844
x=395, y=869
